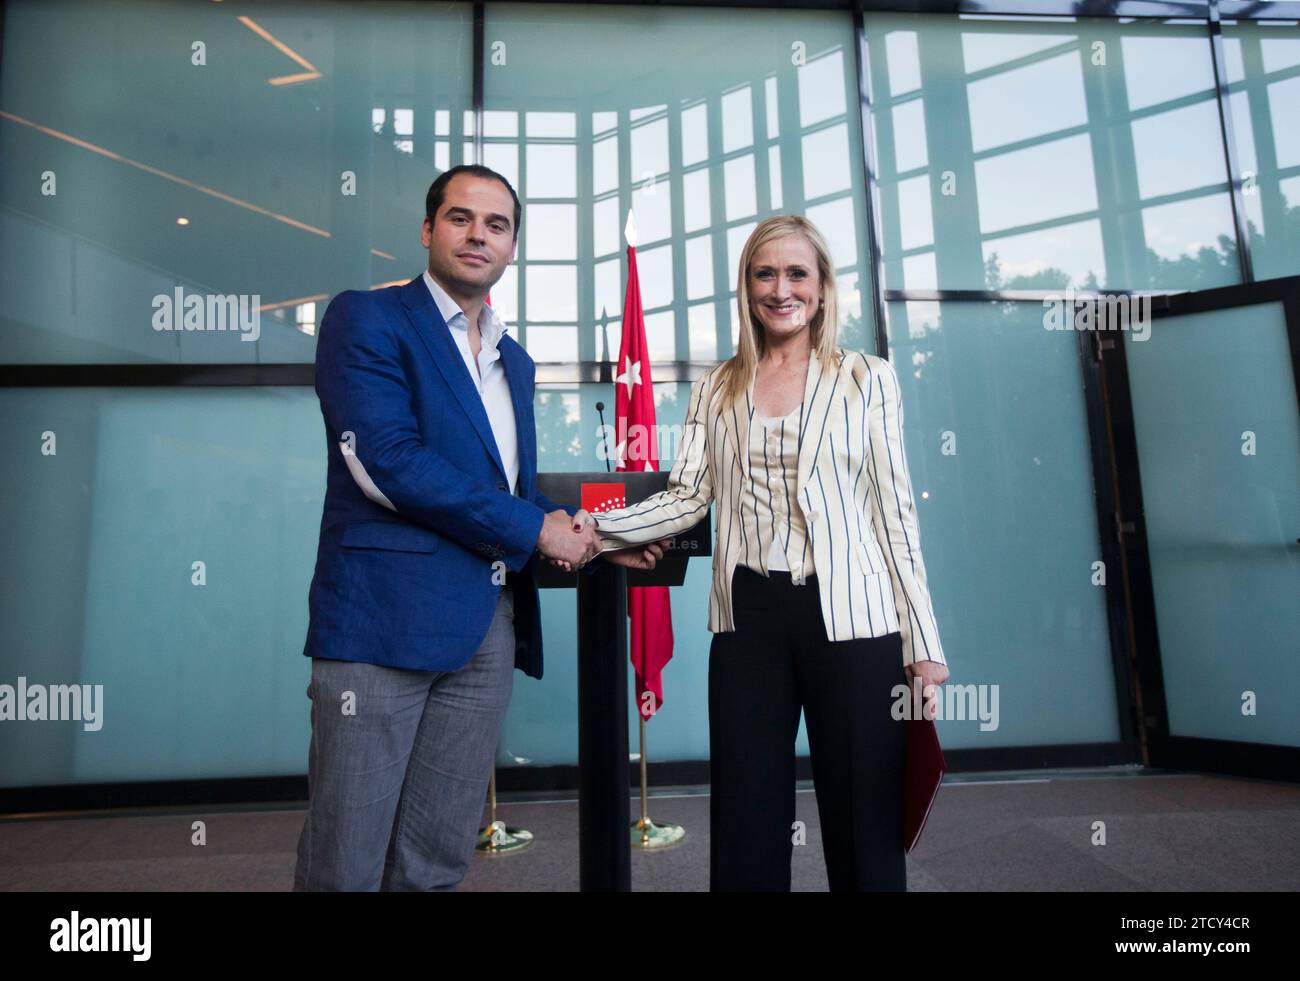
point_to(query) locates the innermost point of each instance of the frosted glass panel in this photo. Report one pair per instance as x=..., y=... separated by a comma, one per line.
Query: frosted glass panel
x=997, y=446
x=1214, y=405
x=201, y=666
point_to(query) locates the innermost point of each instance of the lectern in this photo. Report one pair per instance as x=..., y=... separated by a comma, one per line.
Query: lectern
x=604, y=800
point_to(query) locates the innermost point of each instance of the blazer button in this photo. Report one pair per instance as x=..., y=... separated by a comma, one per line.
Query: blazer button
x=501, y=486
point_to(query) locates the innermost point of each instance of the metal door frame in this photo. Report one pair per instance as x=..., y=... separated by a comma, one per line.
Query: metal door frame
x=1160, y=748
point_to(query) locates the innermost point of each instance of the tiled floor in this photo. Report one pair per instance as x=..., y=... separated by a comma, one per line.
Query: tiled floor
x=1174, y=832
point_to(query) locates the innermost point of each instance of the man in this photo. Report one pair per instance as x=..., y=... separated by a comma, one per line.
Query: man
x=423, y=599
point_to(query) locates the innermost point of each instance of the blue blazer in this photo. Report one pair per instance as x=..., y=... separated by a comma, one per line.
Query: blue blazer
x=415, y=586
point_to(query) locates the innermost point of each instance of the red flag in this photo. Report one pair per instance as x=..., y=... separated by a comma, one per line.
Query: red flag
x=648, y=607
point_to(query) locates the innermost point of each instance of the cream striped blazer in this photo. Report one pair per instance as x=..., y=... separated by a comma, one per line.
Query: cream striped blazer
x=853, y=488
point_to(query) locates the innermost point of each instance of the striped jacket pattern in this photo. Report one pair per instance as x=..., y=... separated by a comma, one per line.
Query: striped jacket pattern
x=853, y=488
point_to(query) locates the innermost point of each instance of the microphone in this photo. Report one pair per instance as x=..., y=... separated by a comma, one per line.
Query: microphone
x=600, y=409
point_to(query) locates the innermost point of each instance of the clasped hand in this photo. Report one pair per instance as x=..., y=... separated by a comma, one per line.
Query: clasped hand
x=570, y=543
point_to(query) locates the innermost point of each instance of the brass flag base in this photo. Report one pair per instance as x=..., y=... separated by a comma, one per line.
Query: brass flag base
x=497, y=839
x=655, y=837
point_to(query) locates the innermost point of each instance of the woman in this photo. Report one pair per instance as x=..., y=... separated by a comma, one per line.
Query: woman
x=819, y=598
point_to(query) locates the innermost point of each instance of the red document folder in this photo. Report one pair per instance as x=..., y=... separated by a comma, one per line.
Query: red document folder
x=924, y=769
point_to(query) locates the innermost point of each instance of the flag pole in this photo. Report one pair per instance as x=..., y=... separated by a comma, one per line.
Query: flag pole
x=646, y=835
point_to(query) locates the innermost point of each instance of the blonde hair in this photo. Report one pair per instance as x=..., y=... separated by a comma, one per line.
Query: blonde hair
x=738, y=372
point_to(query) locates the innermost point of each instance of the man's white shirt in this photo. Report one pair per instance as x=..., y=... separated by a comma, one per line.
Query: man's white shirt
x=489, y=375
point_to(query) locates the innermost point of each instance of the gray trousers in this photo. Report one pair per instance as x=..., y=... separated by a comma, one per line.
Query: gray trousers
x=398, y=767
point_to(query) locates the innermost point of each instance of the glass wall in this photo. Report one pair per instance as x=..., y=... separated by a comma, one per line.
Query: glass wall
x=1220, y=463
x=997, y=444
x=1042, y=153
x=1263, y=66
x=160, y=544
x=278, y=154
x=755, y=115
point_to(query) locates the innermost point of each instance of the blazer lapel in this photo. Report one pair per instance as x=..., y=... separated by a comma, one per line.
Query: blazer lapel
x=514, y=360
x=736, y=419
x=819, y=395
x=436, y=337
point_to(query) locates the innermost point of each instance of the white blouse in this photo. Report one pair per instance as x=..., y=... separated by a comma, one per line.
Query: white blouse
x=766, y=499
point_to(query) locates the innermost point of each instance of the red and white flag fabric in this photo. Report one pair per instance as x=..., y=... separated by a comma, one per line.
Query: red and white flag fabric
x=648, y=607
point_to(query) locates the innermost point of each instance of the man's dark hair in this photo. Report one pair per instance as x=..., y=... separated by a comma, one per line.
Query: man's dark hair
x=433, y=200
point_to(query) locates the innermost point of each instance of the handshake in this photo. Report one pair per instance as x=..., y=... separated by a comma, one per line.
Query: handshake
x=570, y=543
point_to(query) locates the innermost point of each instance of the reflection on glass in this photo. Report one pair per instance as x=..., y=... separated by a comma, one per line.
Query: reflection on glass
x=902, y=61
x=655, y=269
x=736, y=131
x=495, y=123
x=561, y=124
x=551, y=294
x=1033, y=130
x=552, y=171
x=699, y=267
x=695, y=200
x=604, y=165
x=1038, y=183
x=826, y=161
x=1039, y=260
x=773, y=114
x=1047, y=95
x=1267, y=138
x=695, y=134
x=609, y=296
x=1178, y=150
x=660, y=335
x=741, y=195
x=1282, y=100
x=553, y=343
x=504, y=159
x=821, y=89
x=649, y=149
x=737, y=120
x=909, y=135
x=652, y=203
x=551, y=231
x=839, y=230
x=988, y=47
x=774, y=176
x=1148, y=80
x=607, y=227
x=294, y=191
x=914, y=208
x=703, y=332
x=1191, y=243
